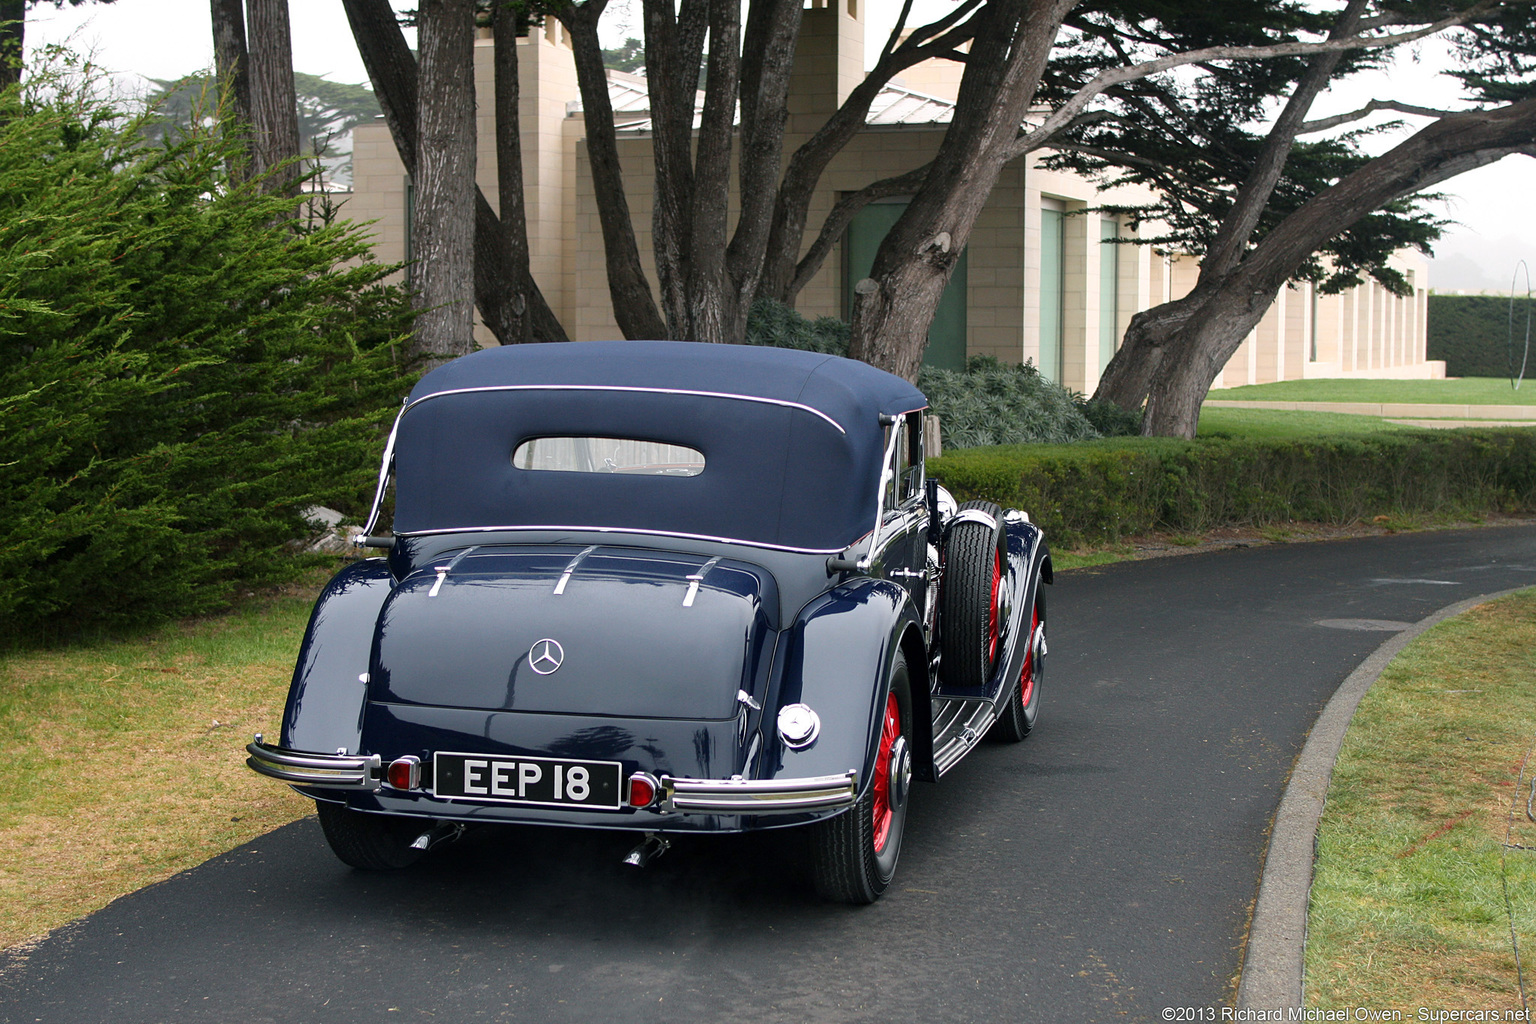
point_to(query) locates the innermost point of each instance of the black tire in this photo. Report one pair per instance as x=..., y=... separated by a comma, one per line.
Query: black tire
x=371, y=842
x=1016, y=719
x=975, y=563
x=850, y=860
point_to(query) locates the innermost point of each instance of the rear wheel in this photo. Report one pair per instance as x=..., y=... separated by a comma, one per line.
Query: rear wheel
x=970, y=598
x=854, y=854
x=372, y=842
x=1017, y=717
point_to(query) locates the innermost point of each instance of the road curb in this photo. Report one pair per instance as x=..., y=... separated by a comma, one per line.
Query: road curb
x=1272, y=968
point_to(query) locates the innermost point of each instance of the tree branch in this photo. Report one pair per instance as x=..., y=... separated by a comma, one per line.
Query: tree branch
x=1325, y=123
x=1064, y=114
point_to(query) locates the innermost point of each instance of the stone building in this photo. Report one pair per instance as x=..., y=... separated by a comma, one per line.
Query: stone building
x=1042, y=278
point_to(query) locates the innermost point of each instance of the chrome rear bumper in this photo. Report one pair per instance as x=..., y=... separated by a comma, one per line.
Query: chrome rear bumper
x=677, y=796
x=333, y=771
x=753, y=796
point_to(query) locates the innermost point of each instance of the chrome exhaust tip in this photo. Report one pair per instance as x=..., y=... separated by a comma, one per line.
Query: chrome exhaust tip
x=651, y=847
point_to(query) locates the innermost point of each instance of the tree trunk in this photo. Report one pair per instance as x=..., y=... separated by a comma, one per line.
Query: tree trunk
x=509, y=167
x=1128, y=378
x=634, y=307
x=232, y=66
x=1225, y=312
x=767, y=58
x=274, y=108
x=674, y=44
x=893, y=310
x=13, y=29
x=392, y=70
x=444, y=221
x=709, y=308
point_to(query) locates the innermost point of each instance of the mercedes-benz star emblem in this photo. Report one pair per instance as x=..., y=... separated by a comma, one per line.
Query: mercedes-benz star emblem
x=545, y=656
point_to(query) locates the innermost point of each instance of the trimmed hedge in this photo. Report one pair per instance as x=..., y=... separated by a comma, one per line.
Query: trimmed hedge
x=1099, y=492
x=1473, y=334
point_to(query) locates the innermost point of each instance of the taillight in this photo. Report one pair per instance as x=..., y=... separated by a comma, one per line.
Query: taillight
x=404, y=772
x=642, y=789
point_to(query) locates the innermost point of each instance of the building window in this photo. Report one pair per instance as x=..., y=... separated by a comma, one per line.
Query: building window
x=946, y=336
x=1109, y=290
x=1052, y=281
x=1312, y=291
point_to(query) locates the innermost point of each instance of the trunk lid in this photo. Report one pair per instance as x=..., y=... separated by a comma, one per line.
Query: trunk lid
x=596, y=631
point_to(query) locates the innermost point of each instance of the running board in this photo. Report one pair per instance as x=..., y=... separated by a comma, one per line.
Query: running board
x=958, y=725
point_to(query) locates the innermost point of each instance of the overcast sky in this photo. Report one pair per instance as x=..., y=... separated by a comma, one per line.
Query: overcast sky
x=1495, y=206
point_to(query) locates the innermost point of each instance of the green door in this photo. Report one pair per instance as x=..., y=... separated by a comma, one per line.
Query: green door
x=946, y=337
x=1052, y=256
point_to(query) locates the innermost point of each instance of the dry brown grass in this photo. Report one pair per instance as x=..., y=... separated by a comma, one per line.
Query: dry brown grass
x=127, y=762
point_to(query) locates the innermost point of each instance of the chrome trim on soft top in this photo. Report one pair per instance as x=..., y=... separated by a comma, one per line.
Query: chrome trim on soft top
x=365, y=534
x=782, y=403
x=332, y=771
x=759, y=796
x=636, y=531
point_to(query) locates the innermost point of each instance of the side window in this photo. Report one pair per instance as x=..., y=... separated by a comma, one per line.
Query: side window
x=912, y=467
x=906, y=483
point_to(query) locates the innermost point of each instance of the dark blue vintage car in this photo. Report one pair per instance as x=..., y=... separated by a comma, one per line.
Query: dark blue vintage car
x=664, y=587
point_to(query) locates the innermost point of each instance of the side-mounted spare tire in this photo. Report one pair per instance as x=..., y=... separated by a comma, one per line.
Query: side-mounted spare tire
x=970, y=605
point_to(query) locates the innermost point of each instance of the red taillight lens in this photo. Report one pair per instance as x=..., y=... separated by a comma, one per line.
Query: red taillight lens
x=404, y=773
x=642, y=790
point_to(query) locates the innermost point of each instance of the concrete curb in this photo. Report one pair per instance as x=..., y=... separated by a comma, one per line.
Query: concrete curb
x=1273, y=958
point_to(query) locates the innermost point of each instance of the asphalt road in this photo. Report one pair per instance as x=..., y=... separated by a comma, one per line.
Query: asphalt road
x=1101, y=871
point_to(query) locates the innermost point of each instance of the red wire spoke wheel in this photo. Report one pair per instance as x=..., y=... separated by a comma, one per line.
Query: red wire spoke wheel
x=889, y=733
x=1017, y=716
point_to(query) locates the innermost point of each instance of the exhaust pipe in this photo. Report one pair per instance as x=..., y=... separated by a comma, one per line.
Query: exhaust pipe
x=651, y=847
x=446, y=832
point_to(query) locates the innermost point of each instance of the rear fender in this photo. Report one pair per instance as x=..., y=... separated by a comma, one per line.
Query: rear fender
x=837, y=660
x=1030, y=565
x=329, y=692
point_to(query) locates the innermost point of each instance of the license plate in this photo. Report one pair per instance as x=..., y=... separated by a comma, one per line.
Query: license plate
x=539, y=781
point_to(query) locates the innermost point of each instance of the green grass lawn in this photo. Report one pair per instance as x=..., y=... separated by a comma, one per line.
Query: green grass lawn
x=1424, y=887
x=1462, y=391
x=1277, y=424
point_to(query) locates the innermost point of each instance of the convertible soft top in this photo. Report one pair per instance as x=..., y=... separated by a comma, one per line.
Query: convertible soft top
x=791, y=440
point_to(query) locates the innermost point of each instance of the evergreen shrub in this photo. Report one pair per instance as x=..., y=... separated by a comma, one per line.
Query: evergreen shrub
x=182, y=369
x=987, y=403
x=1103, y=491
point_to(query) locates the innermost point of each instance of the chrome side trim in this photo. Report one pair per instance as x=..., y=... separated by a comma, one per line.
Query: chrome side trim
x=751, y=796
x=333, y=771
x=782, y=403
